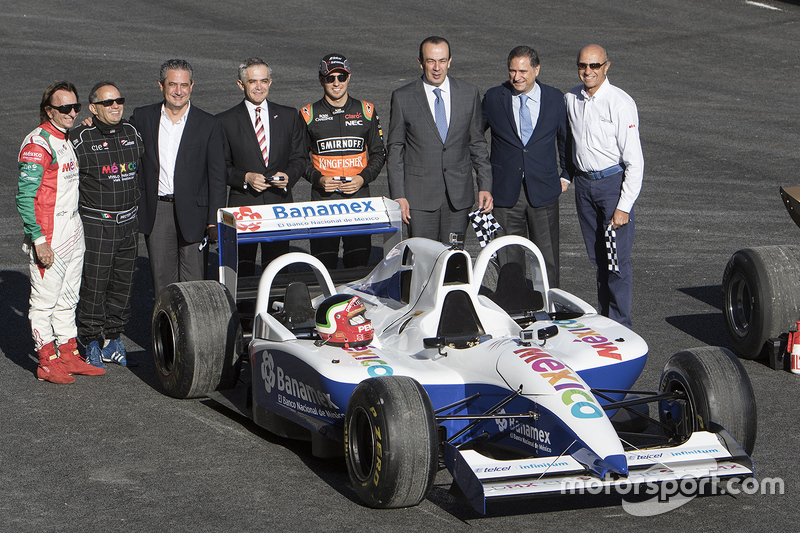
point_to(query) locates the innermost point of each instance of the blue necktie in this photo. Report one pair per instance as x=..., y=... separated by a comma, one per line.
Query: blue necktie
x=525, y=123
x=440, y=116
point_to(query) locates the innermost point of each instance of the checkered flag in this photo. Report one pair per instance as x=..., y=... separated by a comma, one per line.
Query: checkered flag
x=485, y=226
x=611, y=249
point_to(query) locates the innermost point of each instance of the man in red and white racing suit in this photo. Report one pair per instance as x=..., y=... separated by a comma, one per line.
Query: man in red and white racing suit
x=347, y=153
x=47, y=201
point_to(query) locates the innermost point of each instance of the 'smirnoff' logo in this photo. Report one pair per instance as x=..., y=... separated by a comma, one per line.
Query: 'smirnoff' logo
x=268, y=372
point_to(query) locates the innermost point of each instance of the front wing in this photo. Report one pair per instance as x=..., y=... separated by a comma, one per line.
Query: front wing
x=705, y=455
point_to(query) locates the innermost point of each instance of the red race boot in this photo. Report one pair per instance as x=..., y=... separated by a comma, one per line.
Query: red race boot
x=50, y=367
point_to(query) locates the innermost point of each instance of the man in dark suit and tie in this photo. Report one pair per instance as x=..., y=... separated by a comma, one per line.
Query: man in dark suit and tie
x=182, y=178
x=529, y=133
x=435, y=141
x=264, y=152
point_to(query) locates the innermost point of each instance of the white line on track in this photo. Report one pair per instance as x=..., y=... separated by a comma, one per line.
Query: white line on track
x=765, y=6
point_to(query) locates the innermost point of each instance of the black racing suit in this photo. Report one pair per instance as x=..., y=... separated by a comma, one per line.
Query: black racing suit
x=344, y=141
x=108, y=158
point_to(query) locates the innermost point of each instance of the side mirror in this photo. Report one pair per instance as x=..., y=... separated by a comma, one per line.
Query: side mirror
x=546, y=333
x=435, y=342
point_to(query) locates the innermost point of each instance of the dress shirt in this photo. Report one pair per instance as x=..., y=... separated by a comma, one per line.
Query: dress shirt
x=251, y=112
x=534, y=104
x=445, y=87
x=605, y=128
x=169, y=140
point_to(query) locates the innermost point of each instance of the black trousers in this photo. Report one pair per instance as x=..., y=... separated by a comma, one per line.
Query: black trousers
x=107, y=281
x=356, y=251
x=269, y=251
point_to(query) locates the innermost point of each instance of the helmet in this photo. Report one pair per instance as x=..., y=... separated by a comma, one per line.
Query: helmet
x=341, y=321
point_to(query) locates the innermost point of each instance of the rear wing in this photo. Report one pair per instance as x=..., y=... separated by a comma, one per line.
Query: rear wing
x=302, y=220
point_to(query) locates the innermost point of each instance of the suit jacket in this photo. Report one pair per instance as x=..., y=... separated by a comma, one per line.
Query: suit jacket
x=287, y=153
x=199, y=179
x=421, y=167
x=538, y=160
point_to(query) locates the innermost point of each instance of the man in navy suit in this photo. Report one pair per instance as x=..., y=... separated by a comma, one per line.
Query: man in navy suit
x=265, y=153
x=529, y=133
x=182, y=178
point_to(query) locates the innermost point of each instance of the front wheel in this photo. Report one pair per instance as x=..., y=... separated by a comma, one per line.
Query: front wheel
x=390, y=442
x=717, y=389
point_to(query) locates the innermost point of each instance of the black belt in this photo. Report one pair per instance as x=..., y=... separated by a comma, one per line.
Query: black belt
x=600, y=174
x=120, y=217
x=167, y=198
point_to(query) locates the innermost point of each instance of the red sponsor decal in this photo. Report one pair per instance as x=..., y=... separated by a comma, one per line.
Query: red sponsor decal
x=251, y=221
x=34, y=156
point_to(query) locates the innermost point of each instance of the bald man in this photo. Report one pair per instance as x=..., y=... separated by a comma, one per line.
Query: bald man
x=608, y=167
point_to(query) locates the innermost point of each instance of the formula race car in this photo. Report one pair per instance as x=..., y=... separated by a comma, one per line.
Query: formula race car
x=517, y=388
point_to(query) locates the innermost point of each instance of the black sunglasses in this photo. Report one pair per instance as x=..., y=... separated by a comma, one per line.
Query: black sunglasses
x=110, y=102
x=593, y=66
x=330, y=78
x=65, y=109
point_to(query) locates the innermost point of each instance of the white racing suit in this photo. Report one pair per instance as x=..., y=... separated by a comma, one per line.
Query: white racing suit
x=47, y=201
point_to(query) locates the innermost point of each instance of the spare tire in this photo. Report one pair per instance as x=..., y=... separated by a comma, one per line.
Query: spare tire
x=761, y=296
x=197, y=339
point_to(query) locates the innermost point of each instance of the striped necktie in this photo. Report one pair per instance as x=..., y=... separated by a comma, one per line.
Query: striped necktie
x=262, y=139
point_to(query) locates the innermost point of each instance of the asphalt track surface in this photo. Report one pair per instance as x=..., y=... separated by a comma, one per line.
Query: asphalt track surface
x=716, y=85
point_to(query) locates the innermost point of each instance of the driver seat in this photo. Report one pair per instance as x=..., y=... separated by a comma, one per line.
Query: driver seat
x=513, y=294
x=298, y=313
x=459, y=319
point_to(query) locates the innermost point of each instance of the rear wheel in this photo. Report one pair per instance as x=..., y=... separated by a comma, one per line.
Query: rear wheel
x=717, y=389
x=197, y=338
x=761, y=296
x=391, y=442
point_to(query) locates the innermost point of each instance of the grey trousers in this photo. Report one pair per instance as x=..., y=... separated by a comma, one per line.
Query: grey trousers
x=539, y=224
x=172, y=259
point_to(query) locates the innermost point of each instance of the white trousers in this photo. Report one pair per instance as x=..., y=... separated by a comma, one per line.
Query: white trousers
x=55, y=290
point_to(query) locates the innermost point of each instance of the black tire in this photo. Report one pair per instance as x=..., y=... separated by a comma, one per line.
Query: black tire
x=718, y=389
x=390, y=440
x=197, y=339
x=761, y=296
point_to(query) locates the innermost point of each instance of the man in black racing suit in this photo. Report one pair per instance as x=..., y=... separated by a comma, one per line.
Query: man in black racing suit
x=108, y=156
x=347, y=153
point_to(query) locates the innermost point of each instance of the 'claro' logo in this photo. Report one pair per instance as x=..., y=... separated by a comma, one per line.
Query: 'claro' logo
x=562, y=379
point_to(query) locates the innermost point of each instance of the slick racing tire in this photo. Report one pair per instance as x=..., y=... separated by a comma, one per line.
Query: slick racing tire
x=197, y=339
x=390, y=442
x=761, y=296
x=718, y=390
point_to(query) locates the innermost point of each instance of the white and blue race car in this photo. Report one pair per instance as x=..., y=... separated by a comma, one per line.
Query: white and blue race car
x=517, y=388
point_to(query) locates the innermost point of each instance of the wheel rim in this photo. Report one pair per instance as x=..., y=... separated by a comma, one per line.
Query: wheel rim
x=361, y=444
x=164, y=343
x=739, y=305
x=673, y=411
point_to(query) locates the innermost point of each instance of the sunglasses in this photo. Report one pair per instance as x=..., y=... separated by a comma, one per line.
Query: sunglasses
x=110, y=102
x=66, y=109
x=330, y=78
x=593, y=66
